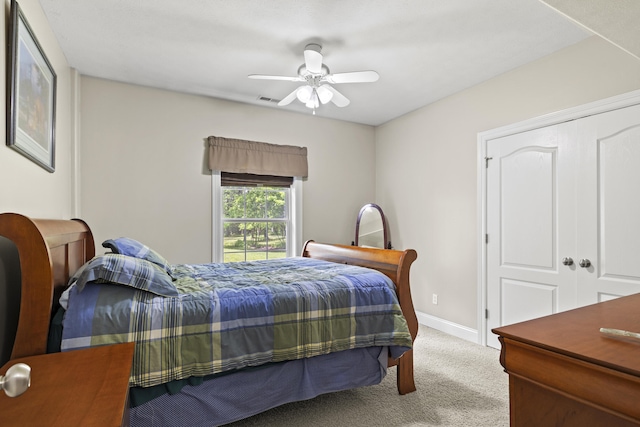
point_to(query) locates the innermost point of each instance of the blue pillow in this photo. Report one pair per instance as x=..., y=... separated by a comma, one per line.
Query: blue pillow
x=129, y=271
x=131, y=247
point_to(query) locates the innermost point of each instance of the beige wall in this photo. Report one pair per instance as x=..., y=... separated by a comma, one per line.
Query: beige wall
x=426, y=174
x=143, y=171
x=26, y=187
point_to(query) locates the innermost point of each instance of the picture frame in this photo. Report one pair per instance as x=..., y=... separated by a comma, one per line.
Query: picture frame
x=31, y=94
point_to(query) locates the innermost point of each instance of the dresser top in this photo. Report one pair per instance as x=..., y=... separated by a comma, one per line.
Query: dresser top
x=576, y=333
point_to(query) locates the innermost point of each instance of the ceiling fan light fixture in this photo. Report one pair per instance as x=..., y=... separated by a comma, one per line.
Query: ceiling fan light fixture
x=314, y=100
x=324, y=94
x=304, y=94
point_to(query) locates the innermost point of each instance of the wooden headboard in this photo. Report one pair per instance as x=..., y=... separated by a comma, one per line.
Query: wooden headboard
x=50, y=251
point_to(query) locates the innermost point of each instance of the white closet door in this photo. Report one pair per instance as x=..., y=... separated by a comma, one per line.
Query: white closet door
x=531, y=210
x=609, y=205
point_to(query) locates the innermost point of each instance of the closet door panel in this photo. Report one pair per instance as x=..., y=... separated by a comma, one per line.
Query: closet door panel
x=609, y=205
x=619, y=202
x=530, y=225
x=528, y=208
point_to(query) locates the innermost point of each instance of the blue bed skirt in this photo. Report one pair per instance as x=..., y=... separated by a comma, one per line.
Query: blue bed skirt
x=232, y=397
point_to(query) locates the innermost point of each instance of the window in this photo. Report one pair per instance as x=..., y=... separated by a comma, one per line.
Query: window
x=255, y=220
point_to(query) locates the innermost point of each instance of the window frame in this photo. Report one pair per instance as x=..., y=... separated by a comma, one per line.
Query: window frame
x=294, y=226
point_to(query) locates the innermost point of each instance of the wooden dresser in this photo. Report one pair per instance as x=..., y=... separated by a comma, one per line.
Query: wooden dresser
x=76, y=388
x=564, y=372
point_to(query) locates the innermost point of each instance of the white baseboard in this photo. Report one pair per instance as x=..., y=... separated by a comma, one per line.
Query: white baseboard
x=448, y=327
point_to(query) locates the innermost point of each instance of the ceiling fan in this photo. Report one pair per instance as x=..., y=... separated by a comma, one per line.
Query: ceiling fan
x=318, y=79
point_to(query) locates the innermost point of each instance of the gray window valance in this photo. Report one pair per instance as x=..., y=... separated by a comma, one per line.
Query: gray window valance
x=259, y=158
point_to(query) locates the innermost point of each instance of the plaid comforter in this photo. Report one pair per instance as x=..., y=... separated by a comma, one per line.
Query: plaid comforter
x=230, y=316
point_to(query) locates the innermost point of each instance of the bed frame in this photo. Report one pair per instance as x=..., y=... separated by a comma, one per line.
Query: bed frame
x=51, y=250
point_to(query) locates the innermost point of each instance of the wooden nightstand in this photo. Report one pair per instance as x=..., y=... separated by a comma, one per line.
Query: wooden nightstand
x=76, y=388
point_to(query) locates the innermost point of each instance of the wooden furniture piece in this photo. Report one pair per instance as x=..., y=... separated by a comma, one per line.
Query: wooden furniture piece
x=371, y=228
x=564, y=372
x=51, y=250
x=395, y=265
x=76, y=388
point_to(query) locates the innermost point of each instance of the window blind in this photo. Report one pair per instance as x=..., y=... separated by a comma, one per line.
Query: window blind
x=229, y=179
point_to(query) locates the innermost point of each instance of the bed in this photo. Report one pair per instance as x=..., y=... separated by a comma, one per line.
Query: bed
x=52, y=250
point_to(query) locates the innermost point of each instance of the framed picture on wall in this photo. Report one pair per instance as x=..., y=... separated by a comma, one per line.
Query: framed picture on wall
x=31, y=94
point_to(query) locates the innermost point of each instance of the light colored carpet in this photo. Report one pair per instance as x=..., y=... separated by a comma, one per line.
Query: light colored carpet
x=459, y=384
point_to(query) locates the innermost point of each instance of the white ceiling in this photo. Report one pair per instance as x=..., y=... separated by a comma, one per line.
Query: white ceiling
x=616, y=21
x=424, y=50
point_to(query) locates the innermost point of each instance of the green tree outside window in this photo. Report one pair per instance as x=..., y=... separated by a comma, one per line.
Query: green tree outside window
x=254, y=223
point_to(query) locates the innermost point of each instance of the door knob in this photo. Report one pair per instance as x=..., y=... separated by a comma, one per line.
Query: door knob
x=584, y=263
x=567, y=261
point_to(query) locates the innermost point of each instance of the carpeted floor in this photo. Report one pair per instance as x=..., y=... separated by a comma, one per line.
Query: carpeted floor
x=459, y=384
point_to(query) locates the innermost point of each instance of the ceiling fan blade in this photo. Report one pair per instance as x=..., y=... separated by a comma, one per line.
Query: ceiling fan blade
x=289, y=98
x=267, y=77
x=339, y=99
x=353, y=77
x=313, y=58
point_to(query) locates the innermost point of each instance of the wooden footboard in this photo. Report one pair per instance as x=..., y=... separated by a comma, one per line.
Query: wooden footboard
x=396, y=265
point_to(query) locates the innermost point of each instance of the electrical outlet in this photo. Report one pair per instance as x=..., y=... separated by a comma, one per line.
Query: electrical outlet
x=435, y=299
